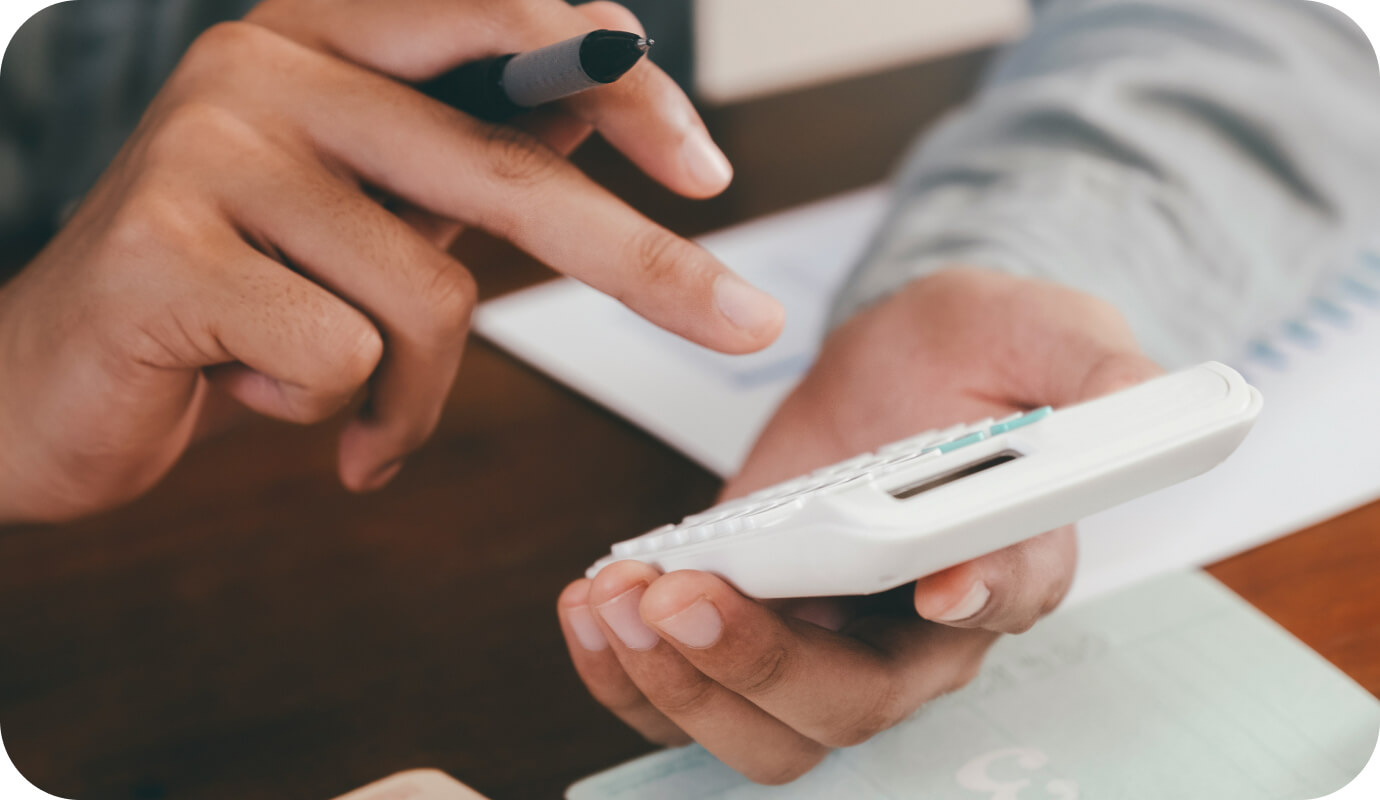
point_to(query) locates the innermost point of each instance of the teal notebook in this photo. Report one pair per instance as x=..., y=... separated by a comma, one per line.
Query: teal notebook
x=1175, y=688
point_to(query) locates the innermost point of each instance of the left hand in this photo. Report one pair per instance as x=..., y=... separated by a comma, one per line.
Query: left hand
x=770, y=688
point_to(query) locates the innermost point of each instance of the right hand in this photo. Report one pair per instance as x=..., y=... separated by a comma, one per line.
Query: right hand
x=235, y=246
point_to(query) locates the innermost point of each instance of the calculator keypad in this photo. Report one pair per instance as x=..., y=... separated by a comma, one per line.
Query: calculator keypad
x=771, y=505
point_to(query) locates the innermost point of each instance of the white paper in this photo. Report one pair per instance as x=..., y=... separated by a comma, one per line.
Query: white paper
x=1315, y=452
x=749, y=49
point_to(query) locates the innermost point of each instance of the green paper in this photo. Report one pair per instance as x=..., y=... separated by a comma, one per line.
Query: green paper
x=1175, y=688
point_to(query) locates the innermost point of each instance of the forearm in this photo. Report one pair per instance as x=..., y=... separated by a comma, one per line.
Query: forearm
x=1201, y=164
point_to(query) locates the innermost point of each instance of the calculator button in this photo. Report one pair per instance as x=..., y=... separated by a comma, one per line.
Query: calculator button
x=695, y=519
x=845, y=467
x=953, y=431
x=776, y=512
x=727, y=527
x=712, y=515
x=909, y=461
x=698, y=534
x=1020, y=421
x=957, y=444
x=915, y=442
x=902, y=460
x=844, y=482
x=788, y=488
x=638, y=544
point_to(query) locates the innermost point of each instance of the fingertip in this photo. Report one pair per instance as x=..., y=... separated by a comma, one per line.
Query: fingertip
x=579, y=624
x=364, y=481
x=673, y=592
x=708, y=169
x=575, y=594
x=955, y=595
x=756, y=315
x=682, y=606
x=1118, y=371
x=618, y=578
x=360, y=470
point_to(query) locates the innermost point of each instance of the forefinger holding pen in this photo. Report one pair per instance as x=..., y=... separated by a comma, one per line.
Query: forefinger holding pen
x=645, y=115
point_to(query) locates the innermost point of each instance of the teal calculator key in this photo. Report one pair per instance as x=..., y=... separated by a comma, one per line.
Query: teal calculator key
x=1021, y=421
x=972, y=438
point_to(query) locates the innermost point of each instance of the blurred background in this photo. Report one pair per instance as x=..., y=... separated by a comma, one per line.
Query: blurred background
x=53, y=145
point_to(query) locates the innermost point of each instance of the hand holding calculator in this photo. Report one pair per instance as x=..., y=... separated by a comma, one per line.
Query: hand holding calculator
x=939, y=498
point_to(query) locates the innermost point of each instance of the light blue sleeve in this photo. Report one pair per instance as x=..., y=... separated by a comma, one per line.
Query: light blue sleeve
x=1202, y=164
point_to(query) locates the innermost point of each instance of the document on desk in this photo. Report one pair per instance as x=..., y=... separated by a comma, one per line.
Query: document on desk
x=1175, y=688
x=1314, y=453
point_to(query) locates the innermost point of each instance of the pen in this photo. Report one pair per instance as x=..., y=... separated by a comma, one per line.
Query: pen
x=499, y=88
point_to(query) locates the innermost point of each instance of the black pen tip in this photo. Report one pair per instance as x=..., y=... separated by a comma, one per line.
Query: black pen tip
x=606, y=55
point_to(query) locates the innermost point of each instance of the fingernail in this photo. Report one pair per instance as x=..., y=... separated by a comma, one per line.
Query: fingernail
x=745, y=305
x=970, y=606
x=586, y=630
x=386, y=474
x=622, y=616
x=705, y=162
x=697, y=625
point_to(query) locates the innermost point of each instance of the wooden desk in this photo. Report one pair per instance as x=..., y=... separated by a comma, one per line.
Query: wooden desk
x=250, y=630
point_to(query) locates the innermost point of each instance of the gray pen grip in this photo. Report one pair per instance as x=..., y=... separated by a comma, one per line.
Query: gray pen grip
x=547, y=74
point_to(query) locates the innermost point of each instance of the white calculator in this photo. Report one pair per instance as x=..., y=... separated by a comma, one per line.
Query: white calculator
x=943, y=497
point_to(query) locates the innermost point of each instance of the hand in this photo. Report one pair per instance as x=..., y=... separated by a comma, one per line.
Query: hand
x=770, y=688
x=275, y=232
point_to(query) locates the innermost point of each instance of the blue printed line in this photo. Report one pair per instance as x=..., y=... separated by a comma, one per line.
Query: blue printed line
x=1265, y=353
x=1300, y=333
x=1330, y=311
x=1361, y=291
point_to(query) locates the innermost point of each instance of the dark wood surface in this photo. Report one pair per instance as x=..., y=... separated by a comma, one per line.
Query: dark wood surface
x=250, y=630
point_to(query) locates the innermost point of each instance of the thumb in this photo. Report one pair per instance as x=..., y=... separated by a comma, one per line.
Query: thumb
x=1114, y=372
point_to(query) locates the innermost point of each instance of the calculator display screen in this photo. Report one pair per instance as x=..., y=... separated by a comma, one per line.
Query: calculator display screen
x=934, y=482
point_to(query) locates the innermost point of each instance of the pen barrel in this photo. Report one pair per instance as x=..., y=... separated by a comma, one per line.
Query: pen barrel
x=547, y=74
x=476, y=89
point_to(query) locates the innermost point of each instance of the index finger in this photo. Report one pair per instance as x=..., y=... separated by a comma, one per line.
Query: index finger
x=644, y=114
x=494, y=177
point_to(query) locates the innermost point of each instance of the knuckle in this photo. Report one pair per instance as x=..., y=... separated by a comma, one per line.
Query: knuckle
x=659, y=255
x=762, y=674
x=361, y=355
x=226, y=43
x=449, y=299
x=153, y=219
x=685, y=699
x=516, y=157
x=226, y=48
x=864, y=721
x=186, y=133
